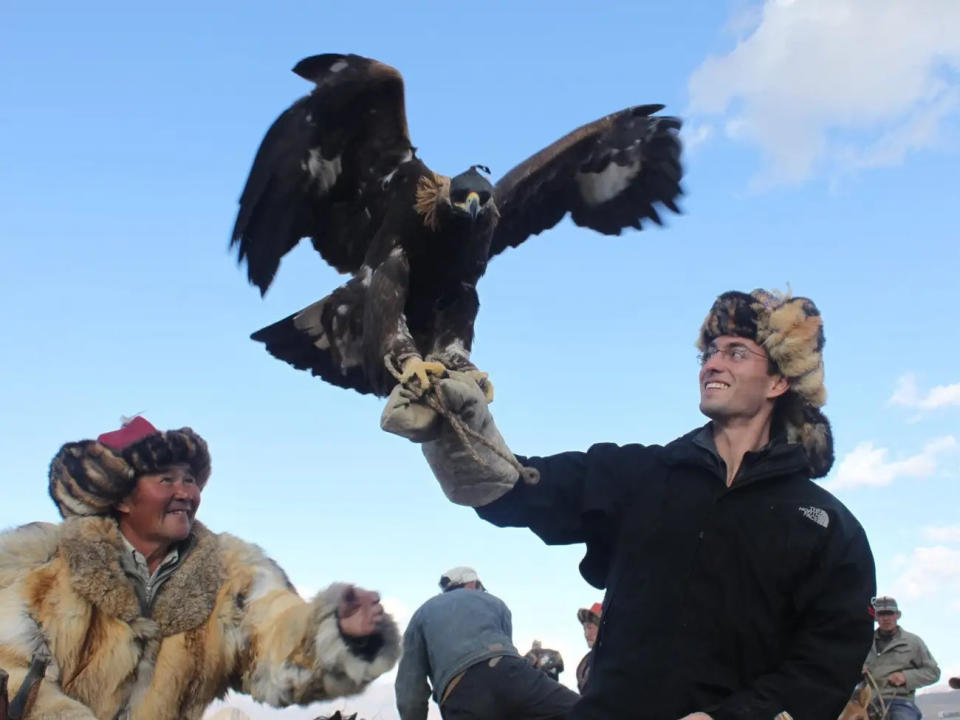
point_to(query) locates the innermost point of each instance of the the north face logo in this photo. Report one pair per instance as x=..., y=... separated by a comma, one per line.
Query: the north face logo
x=818, y=515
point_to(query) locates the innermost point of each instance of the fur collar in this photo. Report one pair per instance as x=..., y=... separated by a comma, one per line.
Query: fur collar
x=92, y=547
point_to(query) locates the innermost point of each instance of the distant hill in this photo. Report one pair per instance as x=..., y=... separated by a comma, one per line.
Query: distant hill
x=932, y=704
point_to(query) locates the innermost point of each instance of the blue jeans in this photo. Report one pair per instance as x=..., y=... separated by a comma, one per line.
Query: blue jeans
x=902, y=710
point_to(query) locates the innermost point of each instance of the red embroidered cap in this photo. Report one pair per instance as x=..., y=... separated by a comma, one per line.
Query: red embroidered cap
x=132, y=430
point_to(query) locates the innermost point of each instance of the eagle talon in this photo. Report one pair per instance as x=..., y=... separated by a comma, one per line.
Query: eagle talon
x=416, y=368
x=483, y=381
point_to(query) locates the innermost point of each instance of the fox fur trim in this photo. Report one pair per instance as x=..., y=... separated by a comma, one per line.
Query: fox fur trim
x=242, y=627
x=91, y=547
x=790, y=329
x=89, y=478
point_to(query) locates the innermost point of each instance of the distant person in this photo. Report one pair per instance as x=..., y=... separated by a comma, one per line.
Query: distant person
x=899, y=662
x=590, y=620
x=735, y=585
x=462, y=642
x=139, y=611
x=549, y=662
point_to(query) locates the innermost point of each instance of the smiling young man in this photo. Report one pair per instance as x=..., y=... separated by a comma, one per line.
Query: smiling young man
x=735, y=586
x=138, y=611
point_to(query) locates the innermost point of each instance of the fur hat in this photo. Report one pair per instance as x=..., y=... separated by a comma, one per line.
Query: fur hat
x=89, y=477
x=790, y=329
x=590, y=614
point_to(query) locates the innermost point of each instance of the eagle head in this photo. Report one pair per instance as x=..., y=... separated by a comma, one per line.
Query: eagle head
x=471, y=193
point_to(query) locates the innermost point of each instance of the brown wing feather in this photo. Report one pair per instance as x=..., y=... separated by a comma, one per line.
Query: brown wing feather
x=608, y=174
x=320, y=169
x=325, y=338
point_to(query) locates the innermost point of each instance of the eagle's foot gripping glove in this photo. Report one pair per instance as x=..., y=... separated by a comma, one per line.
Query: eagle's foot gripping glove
x=482, y=380
x=474, y=466
x=415, y=368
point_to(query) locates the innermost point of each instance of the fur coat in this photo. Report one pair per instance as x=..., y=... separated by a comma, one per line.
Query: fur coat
x=227, y=618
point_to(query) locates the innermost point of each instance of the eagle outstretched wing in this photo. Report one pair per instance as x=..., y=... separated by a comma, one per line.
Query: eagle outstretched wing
x=325, y=338
x=320, y=170
x=607, y=174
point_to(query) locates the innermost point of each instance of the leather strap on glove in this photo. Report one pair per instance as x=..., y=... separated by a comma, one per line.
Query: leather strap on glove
x=474, y=474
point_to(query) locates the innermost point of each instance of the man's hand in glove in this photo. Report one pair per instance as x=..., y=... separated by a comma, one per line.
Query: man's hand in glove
x=474, y=474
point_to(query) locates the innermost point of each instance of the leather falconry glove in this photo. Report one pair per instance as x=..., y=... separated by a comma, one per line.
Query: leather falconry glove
x=474, y=474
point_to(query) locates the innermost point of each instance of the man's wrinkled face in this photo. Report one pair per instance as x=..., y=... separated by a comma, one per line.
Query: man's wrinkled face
x=887, y=620
x=162, y=506
x=735, y=380
x=590, y=631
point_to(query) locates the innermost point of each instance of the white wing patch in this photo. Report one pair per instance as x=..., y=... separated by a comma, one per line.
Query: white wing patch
x=366, y=275
x=385, y=180
x=324, y=171
x=600, y=187
x=309, y=322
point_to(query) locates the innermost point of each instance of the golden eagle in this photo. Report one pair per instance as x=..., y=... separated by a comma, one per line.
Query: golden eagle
x=338, y=166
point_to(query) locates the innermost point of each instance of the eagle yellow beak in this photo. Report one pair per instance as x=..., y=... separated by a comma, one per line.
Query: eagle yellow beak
x=471, y=204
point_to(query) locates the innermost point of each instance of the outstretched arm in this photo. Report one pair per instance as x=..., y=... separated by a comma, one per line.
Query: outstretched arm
x=566, y=498
x=298, y=652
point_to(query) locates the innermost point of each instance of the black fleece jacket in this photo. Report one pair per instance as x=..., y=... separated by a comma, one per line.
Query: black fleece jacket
x=743, y=601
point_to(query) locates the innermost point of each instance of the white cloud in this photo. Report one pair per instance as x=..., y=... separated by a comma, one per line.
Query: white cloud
x=908, y=394
x=929, y=571
x=946, y=534
x=836, y=84
x=868, y=466
x=695, y=134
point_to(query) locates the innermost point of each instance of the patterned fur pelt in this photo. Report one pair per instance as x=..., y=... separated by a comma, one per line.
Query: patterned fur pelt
x=88, y=477
x=790, y=329
x=228, y=618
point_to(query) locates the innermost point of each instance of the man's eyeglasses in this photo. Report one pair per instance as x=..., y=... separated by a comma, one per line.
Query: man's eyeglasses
x=733, y=353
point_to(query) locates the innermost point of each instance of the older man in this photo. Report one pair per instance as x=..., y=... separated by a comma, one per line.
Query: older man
x=462, y=642
x=735, y=586
x=590, y=620
x=138, y=611
x=899, y=662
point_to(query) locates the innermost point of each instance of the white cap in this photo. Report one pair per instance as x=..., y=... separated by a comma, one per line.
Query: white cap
x=458, y=576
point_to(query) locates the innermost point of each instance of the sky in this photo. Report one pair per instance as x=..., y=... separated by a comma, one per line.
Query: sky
x=821, y=138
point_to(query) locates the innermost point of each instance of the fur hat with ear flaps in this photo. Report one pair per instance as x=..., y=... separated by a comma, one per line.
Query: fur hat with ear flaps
x=790, y=329
x=89, y=477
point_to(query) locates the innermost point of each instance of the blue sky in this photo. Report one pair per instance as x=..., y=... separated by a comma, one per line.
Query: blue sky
x=821, y=155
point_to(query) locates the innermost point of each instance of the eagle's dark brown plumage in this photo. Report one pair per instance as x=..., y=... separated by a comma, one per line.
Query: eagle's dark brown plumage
x=338, y=167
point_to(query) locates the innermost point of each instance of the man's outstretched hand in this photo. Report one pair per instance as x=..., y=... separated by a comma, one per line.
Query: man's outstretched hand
x=359, y=611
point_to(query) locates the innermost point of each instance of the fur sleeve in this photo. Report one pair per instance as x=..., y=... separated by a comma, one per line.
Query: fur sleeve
x=293, y=652
x=26, y=547
x=22, y=550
